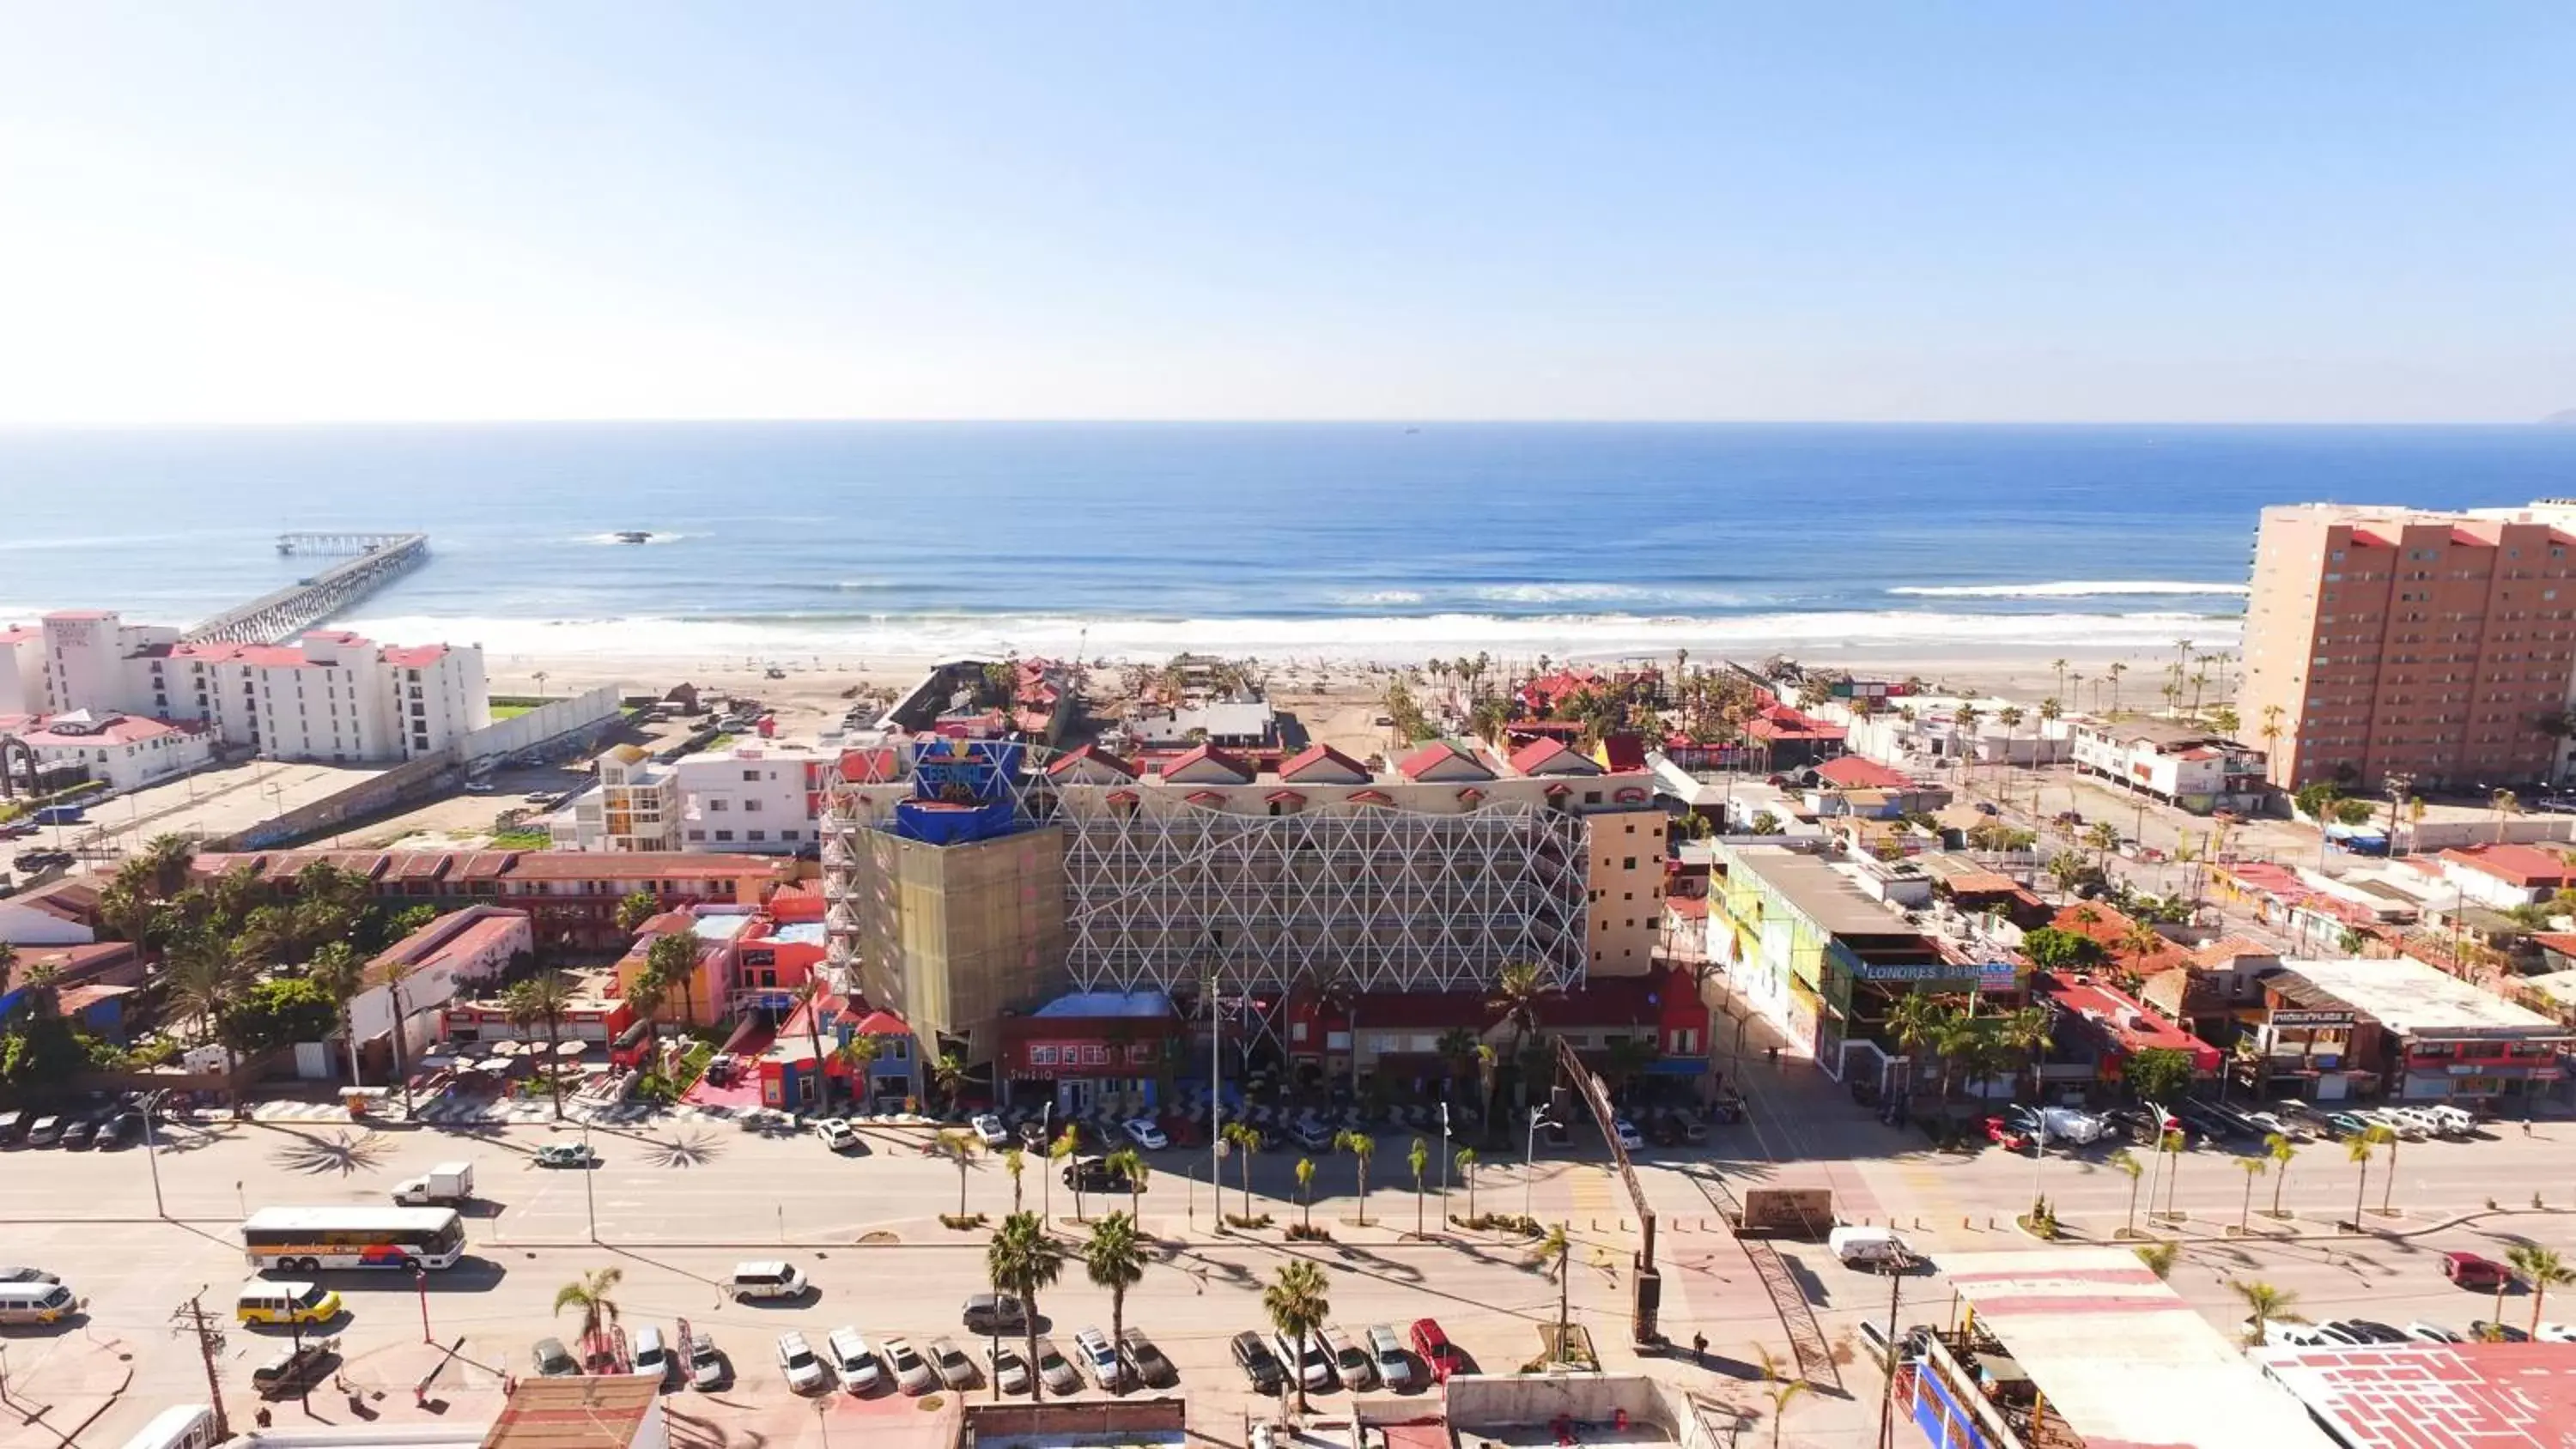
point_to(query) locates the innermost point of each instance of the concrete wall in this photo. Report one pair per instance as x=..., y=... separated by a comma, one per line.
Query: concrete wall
x=404, y=784
x=2443, y=834
x=1491, y=1401
x=546, y=722
x=1063, y=1418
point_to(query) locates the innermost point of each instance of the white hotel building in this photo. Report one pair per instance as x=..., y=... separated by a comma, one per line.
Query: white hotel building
x=331, y=695
x=753, y=798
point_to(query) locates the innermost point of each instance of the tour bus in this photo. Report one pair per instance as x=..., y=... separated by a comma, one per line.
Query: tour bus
x=305, y=1240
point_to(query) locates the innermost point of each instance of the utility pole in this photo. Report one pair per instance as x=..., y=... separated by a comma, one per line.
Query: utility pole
x=210, y=1341
x=1895, y=1353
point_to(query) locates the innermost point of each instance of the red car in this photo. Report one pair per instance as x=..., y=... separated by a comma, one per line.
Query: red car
x=2005, y=1135
x=1438, y=1354
x=2471, y=1271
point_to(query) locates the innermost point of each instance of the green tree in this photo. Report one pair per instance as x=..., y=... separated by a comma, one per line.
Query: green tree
x=2159, y=1257
x=2158, y=1074
x=1518, y=992
x=2052, y=949
x=1361, y=1147
x=205, y=982
x=1467, y=1174
x=1059, y=1152
x=284, y=1009
x=948, y=1078
x=960, y=1149
x=2253, y=1167
x=634, y=910
x=543, y=999
x=1114, y=1258
x=809, y=996
x=593, y=1296
x=1015, y=1162
x=1297, y=1304
x=1305, y=1190
x=2357, y=1150
x=1244, y=1140
x=2541, y=1268
x=2128, y=1166
x=1418, y=1159
x=2264, y=1304
x=1554, y=1254
x=1780, y=1389
x=672, y=960
x=1023, y=1260
x=1130, y=1164
x=2280, y=1150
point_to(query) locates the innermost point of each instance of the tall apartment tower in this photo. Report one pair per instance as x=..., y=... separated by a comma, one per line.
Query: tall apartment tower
x=2388, y=641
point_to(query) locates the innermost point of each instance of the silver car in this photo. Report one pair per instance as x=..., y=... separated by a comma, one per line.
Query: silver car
x=1394, y=1366
x=805, y=1373
x=1350, y=1360
x=911, y=1371
x=1058, y=1371
x=952, y=1365
x=1010, y=1371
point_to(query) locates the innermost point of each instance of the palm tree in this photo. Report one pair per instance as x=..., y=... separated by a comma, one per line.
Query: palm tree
x=1114, y=1258
x=2388, y=1179
x=395, y=973
x=807, y=996
x=1457, y=1049
x=2506, y=806
x=342, y=973
x=859, y=1053
x=1306, y=1190
x=2542, y=1269
x=1466, y=1160
x=41, y=981
x=948, y=1078
x=635, y=909
x=164, y=862
x=2171, y=1144
x=2115, y=671
x=2159, y=1257
x=1517, y=994
x=1061, y=1151
x=1296, y=1303
x=542, y=998
x=1918, y=1020
x=205, y=982
x=1417, y=1159
x=958, y=1148
x=1022, y=1260
x=1361, y=1147
x=2357, y=1150
x=592, y=1296
x=1245, y=1139
x=2254, y=1167
x=2263, y=1304
x=2010, y=717
x=672, y=960
x=2060, y=666
x=1015, y=1162
x=1488, y=1066
x=2131, y=1168
x=1128, y=1163
x=1555, y=1256
x=2027, y=1030
x=1778, y=1387
x=2280, y=1149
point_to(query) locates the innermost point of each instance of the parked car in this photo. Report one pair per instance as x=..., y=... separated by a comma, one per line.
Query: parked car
x=1057, y=1371
x=2481, y=1331
x=1438, y=1354
x=553, y=1360
x=27, y=1275
x=2373, y=1331
x=567, y=1154
x=653, y=1357
x=2005, y=1135
x=1313, y=1364
x=80, y=1134
x=2423, y=1332
x=291, y=1373
x=1033, y=1135
x=120, y=1130
x=45, y=1131
x=1350, y=1359
x=952, y=1365
x=990, y=1131
x=2348, y=1124
x=805, y=1373
x=1261, y=1367
x=991, y=1313
x=912, y=1373
x=852, y=1363
x=2471, y=1271
x=1146, y=1361
x=2555, y=1333
x=706, y=1365
x=1627, y=1133
x=1313, y=1136
x=1143, y=1132
x=1099, y=1360
x=1010, y=1371
x=1386, y=1351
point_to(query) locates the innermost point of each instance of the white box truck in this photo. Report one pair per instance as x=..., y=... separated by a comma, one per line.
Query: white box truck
x=445, y=1185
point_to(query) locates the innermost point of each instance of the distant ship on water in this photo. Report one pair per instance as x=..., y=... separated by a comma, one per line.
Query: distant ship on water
x=634, y=535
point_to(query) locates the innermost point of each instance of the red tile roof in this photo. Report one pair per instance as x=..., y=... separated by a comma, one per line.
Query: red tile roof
x=1204, y=797
x=1326, y=763
x=1209, y=754
x=2130, y=1024
x=1284, y=797
x=1370, y=797
x=1852, y=772
x=2520, y=865
x=417, y=656
x=2112, y=928
x=1623, y=752
x=1436, y=754
x=2226, y=949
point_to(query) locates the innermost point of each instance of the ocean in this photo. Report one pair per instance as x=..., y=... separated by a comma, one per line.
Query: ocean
x=1331, y=540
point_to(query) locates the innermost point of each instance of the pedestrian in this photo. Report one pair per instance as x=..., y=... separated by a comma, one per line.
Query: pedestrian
x=1699, y=1349
x=1771, y=1055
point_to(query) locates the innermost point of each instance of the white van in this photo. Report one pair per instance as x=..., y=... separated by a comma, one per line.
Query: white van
x=187, y=1426
x=771, y=1279
x=35, y=1302
x=1875, y=1248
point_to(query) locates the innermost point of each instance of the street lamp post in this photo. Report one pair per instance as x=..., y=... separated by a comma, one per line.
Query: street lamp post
x=1529, y=1157
x=151, y=1155
x=589, y=1194
x=420, y=1284
x=1444, y=1158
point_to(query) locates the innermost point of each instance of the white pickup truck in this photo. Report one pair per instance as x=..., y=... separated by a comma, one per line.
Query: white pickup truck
x=445, y=1185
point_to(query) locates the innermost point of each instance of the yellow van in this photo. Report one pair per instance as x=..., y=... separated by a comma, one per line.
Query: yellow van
x=264, y=1302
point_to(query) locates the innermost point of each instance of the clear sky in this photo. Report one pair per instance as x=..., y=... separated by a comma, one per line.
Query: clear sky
x=275, y=211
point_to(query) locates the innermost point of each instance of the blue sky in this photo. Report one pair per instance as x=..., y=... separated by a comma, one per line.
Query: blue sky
x=295, y=212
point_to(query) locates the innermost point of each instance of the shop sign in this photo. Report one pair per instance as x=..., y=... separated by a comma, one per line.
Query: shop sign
x=2311, y=1018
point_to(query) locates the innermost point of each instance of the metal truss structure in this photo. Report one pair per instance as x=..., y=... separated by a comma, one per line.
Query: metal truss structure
x=1378, y=899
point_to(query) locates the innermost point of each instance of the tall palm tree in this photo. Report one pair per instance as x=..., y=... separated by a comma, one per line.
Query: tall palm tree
x=2263, y=1304
x=2115, y=671
x=1015, y=1162
x=2543, y=1270
x=1297, y=1303
x=948, y=1077
x=1114, y=1258
x=2060, y=666
x=672, y=960
x=808, y=996
x=1488, y=1066
x=1779, y=1388
x=164, y=859
x=2128, y=1166
x=1361, y=1147
x=2028, y=1030
x=206, y=982
x=41, y=982
x=959, y=1148
x=1554, y=1254
x=1059, y=1152
x=543, y=998
x=592, y=1296
x=1245, y=1139
x=1022, y=1260
x=2159, y=1257
x=1417, y=1159
x=2357, y=1150
x=2388, y=1179
x=2507, y=805
x=2254, y=1167
x=1518, y=990
x=1467, y=1174
x=859, y=1054
x=395, y=973
x=2280, y=1150
x=1918, y=1020
x=1130, y=1164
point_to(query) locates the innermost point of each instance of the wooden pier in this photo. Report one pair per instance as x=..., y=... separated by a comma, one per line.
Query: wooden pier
x=377, y=559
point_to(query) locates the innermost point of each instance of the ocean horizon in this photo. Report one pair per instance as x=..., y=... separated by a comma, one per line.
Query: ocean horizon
x=1330, y=540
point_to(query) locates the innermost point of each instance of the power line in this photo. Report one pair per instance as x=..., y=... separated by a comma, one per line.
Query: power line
x=210, y=1341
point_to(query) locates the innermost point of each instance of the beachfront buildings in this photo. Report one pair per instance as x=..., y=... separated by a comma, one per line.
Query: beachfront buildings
x=2183, y=765
x=2384, y=643
x=121, y=751
x=757, y=798
x=331, y=695
x=966, y=879
x=2334, y=1029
